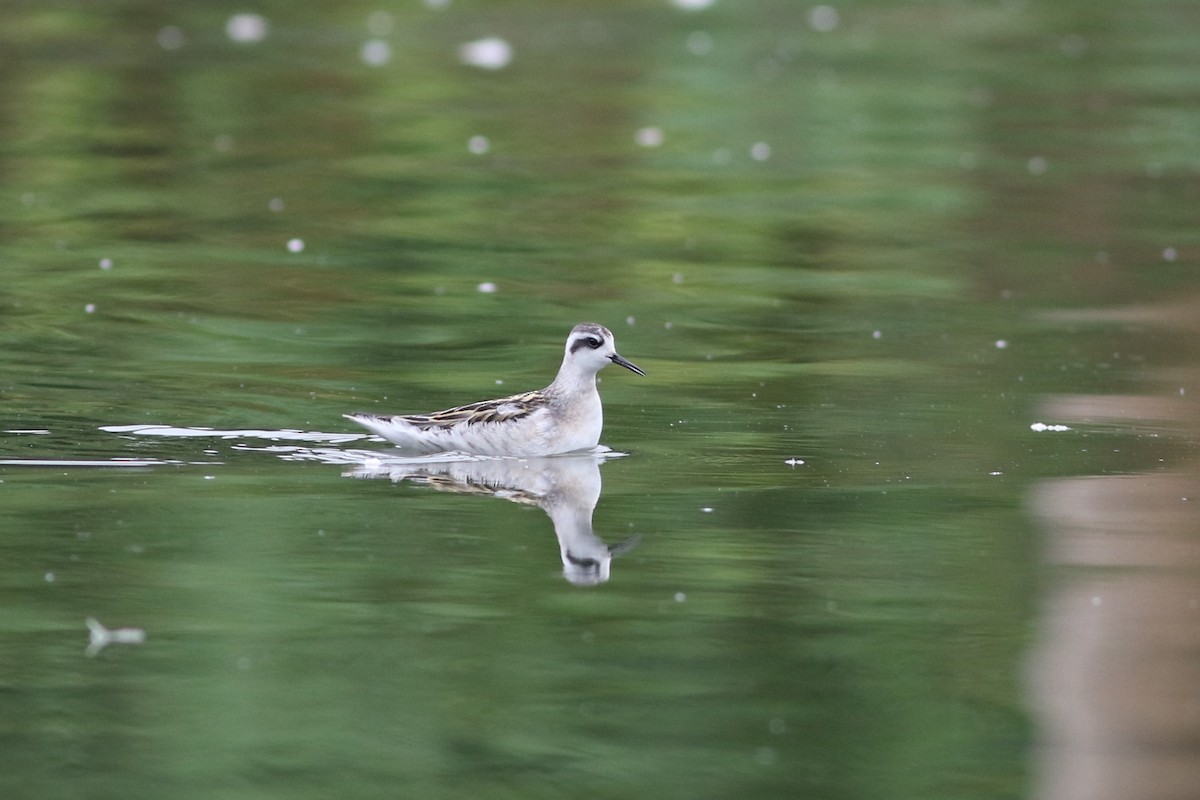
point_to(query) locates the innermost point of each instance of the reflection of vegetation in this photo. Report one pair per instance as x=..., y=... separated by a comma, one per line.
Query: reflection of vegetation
x=849, y=627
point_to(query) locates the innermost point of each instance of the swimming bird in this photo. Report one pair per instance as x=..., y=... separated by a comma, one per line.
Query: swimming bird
x=565, y=417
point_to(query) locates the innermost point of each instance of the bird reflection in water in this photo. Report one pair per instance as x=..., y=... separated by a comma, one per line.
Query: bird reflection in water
x=567, y=488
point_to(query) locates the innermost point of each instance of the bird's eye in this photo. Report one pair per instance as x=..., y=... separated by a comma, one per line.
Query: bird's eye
x=593, y=342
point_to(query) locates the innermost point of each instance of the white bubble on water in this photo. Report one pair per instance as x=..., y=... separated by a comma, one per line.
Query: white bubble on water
x=295, y=245
x=491, y=53
x=375, y=52
x=824, y=18
x=246, y=28
x=649, y=136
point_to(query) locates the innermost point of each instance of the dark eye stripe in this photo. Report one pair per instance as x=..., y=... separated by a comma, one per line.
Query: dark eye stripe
x=586, y=341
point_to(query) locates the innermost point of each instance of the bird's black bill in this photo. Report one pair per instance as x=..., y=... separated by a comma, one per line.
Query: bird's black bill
x=629, y=365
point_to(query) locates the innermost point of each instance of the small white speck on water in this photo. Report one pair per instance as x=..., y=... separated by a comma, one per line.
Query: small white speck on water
x=1170, y=254
x=668, y=325
x=295, y=245
x=995, y=473
x=246, y=28
x=630, y=321
x=1037, y=166
x=49, y=577
x=276, y=204
x=106, y=263
x=680, y=597
x=487, y=287
x=1097, y=600
x=478, y=145
x=491, y=53
x=1041, y=427
x=692, y=5
x=760, y=151
x=375, y=52
x=794, y=462
x=707, y=510
x=823, y=19
x=210, y=477
x=1182, y=391
x=877, y=335
x=90, y=308
x=499, y=381
x=677, y=278
x=649, y=136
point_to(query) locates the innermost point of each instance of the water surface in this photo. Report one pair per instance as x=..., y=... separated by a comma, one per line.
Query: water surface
x=904, y=505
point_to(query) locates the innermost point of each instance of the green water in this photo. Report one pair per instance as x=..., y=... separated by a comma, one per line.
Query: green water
x=858, y=258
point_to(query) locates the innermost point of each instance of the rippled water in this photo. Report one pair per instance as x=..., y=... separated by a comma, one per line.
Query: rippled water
x=902, y=508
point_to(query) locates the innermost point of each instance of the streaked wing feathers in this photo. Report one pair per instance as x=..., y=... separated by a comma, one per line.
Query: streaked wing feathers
x=502, y=410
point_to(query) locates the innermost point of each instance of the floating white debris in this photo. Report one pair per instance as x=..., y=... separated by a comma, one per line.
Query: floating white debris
x=824, y=18
x=1170, y=254
x=90, y=308
x=877, y=334
x=490, y=53
x=794, y=462
x=276, y=204
x=680, y=597
x=1037, y=166
x=649, y=136
x=478, y=145
x=487, y=287
x=692, y=5
x=375, y=52
x=706, y=510
x=1001, y=344
x=1039, y=427
x=100, y=637
x=295, y=245
x=246, y=28
x=106, y=263
x=760, y=151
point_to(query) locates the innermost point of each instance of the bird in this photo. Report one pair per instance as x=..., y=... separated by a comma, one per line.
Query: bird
x=564, y=417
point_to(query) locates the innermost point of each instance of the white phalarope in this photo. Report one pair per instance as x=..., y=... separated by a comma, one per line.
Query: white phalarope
x=565, y=417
